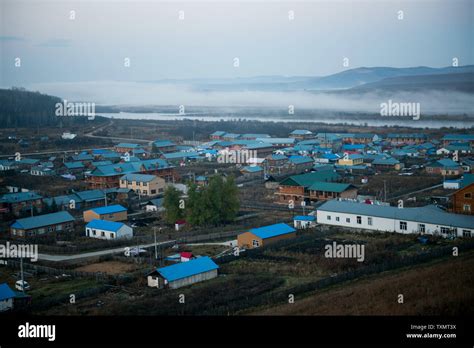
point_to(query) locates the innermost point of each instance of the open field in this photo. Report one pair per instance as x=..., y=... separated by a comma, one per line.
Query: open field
x=109, y=267
x=443, y=287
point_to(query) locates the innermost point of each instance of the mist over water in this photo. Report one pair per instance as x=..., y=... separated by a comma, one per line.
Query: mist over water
x=142, y=93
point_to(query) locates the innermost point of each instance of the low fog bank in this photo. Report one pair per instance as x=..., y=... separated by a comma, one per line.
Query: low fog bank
x=137, y=94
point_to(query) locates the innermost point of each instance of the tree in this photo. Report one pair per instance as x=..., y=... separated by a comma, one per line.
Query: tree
x=213, y=204
x=171, y=203
x=230, y=200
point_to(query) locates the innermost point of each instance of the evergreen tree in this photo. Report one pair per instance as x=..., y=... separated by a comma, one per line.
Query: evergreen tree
x=171, y=202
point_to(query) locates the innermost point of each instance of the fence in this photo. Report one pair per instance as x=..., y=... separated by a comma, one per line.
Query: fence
x=282, y=295
x=63, y=271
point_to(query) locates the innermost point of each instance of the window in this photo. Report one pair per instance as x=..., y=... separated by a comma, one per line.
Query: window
x=337, y=218
x=445, y=230
x=369, y=221
x=112, y=235
x=466, y=233
x=153, y=192
x=421, y=228
x=348, y=220
x=102, y=234
x=466, y=208
x=145, y=192
x=359, y=220
x=329, y=217
x=403, y=225
x=468, y=195
x=93, y=232
x=255, y=243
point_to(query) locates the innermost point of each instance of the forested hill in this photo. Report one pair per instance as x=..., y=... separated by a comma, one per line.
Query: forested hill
x=21, y=108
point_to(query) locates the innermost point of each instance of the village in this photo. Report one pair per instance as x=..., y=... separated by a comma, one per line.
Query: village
x=135, y=221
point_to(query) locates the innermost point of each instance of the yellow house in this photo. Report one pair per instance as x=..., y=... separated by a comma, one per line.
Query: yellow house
x=144, y=184
x=351, y=160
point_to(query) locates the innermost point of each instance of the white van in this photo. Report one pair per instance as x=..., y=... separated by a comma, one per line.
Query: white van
x=22, y=287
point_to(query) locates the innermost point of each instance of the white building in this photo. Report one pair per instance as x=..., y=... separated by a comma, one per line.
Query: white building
x=103, y=229
x=183, y=273
x=304, y=221
x=452, y=184
x=6, y=297
x=424, y=220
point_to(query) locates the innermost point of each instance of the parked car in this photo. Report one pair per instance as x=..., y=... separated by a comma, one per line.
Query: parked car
x=130, y=252
x=22, y=285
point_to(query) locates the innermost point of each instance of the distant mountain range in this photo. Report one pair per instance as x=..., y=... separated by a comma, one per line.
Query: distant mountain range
x=456, y=78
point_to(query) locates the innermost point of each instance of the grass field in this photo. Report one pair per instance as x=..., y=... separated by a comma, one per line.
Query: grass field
x=444, y=287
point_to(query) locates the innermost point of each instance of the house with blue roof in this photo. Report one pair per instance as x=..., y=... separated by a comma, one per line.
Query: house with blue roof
x=111, y=213
x=163, y=146
x=20, y=202
x=109, y=230
x=43, y=224
x=304, y=221
x=7, y=295
x=252, y=171
x=464, y=138
x=143, y=184
x=258, y=237
x=74, y=165
x=301, y=134
x=8, y=165
x=127, y=147
x=445, y=167
x=183, y=274
x=387, y=163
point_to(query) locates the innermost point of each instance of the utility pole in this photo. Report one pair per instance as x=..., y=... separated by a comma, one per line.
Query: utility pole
x=384, y=190
x=156, y=249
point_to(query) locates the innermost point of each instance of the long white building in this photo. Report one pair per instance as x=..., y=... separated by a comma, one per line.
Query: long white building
x=425, y=220
x=103, y=229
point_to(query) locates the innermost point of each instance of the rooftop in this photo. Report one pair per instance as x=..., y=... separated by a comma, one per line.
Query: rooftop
x=6, y=292
x=138, y=177
x=428, y=214
x=43, y=220
x=109, y=209
x=187, y=269
x=272, y=230
x=330, y=187
x=105, y=225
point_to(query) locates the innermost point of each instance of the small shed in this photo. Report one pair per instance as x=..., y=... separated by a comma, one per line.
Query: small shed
x=6, y=297
x=258, y=237
x=111, y=213
x=304, y=221
x=183, y=274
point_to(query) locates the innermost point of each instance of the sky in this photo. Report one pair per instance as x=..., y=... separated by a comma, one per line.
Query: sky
x=159, y=45
x=108, y=51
